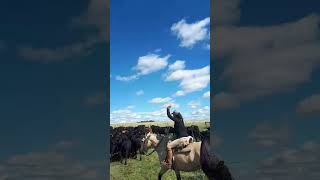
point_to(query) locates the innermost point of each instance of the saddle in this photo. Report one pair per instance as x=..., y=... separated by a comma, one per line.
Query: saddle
x=185, y=149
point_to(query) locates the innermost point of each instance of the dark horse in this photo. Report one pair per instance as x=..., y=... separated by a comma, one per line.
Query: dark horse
x=209, y=165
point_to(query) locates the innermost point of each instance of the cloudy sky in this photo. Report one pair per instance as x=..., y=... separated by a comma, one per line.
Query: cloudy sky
x=159, y=56
x=267, y=87
x=52, y=74
x=53, y=71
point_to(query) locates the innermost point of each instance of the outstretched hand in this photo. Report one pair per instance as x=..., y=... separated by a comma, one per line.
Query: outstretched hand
x=169, y=107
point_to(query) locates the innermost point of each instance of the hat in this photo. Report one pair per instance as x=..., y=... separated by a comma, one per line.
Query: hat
x=175, y=112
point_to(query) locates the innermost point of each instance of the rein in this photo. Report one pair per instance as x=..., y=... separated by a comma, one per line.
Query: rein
x=155, y=147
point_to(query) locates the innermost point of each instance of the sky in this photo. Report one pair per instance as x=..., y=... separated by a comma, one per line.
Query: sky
x=159, y=56
x=52, y=74
x=53, y=82
x=266, y=92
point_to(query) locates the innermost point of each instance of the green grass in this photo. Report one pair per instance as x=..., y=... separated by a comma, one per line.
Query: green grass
x=148, y=168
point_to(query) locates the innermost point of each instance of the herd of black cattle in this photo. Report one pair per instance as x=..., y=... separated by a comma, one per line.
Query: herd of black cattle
x=127, y=142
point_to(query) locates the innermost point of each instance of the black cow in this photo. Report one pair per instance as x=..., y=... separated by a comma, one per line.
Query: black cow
x=125, y=147
x=194, y=132
x=161, y=130
x=126, y=142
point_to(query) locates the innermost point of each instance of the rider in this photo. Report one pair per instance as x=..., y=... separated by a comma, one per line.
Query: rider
x=183, y=139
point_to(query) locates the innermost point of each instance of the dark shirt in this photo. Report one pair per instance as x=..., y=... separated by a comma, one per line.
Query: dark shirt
x=180, y=129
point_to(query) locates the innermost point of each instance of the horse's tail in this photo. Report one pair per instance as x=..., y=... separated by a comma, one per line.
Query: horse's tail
x=210, y=165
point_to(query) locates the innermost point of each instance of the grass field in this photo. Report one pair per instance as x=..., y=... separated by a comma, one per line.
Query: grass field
x=148, y=168
x=200, y=123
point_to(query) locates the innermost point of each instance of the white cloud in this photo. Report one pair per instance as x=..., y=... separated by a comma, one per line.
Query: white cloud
x=290, y=49
x=157, y=113
x=179, y=93
x=124, y=115
x=140, y=93
x=190, y=34
x=127, y=115
x=131, y=107
x=146, y=64
x=300, y=162
x=206, y=94
x=194, y=104
x=208, y=46
x=268, y=135
x=190, y=80
x=151, y=63
x=159, y=100
x=179, y=64
x=173, y=105
x=58, y=54
x=127, y=78
x=95, y=18
x=201, y=113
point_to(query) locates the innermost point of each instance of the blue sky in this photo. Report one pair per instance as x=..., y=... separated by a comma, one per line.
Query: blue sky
x=155, y=52
x=53, y=69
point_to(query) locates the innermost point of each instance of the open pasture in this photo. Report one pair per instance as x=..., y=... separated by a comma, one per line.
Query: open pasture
x=148, y=167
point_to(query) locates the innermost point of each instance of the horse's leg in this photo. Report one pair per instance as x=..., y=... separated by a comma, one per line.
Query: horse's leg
x=178, y=174
x=162, y=171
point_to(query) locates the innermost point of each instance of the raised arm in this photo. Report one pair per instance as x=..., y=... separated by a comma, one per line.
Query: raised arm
x=169, y=114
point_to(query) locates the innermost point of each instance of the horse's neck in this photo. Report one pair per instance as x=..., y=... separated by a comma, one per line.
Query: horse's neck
x=161, y=150
x=153, y=138
x=162, y=153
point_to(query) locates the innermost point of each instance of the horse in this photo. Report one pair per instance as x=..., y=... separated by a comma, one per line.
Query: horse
x=188, y=159
x=209, y=165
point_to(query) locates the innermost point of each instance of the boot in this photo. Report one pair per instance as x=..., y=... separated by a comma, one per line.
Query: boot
x=168, y=161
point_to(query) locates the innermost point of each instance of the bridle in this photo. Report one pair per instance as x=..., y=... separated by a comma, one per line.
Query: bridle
x=156, y=147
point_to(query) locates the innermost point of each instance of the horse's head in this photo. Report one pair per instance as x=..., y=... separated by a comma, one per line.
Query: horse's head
x=150, y=140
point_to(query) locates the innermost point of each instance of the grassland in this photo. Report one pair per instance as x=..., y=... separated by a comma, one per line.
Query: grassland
x=202, y=124
x=148, y=168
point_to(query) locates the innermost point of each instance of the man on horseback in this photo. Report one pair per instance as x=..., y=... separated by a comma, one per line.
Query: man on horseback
x=183, y=139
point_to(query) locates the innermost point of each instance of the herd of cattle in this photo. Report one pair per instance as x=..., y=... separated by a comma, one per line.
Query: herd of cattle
x=127, y=142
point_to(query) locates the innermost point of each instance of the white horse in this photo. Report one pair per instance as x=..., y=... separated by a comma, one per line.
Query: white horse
x=187, y=159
